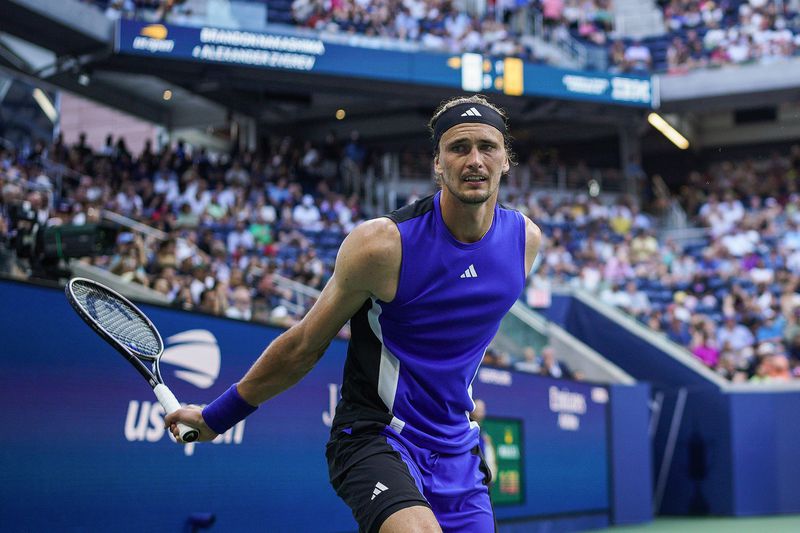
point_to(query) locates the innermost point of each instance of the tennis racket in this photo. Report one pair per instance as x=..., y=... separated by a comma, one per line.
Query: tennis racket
x=126, y=328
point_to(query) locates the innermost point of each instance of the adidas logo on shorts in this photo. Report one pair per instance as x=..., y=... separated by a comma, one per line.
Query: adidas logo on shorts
x=379, y=487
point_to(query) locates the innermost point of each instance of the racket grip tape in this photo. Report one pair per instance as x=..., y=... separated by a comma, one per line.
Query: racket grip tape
x=170, y=404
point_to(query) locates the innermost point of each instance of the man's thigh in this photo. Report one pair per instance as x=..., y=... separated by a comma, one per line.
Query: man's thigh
x=417, y=519
x=372, y=478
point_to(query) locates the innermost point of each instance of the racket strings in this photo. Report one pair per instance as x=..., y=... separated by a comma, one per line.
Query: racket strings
x=118, y=319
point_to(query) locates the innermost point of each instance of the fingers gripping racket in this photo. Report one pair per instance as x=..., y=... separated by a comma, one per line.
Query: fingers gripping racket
x=126, y=328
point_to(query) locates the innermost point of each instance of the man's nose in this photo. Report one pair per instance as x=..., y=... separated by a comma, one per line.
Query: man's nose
x=474, y=158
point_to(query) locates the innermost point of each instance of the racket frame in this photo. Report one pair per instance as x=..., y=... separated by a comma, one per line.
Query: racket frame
x=151, y=375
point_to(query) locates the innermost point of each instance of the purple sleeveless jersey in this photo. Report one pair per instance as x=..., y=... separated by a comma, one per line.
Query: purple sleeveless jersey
x=411, y=361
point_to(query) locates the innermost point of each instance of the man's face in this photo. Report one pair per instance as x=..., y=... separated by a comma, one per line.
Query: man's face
x=471, y=159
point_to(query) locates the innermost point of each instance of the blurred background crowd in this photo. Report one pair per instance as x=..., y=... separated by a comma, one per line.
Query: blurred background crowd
x=234, y=225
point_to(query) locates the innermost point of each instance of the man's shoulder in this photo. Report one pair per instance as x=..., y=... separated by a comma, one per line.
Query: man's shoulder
x=412, y=210
x=532, y=231
x=377, y=235
x=369, y=259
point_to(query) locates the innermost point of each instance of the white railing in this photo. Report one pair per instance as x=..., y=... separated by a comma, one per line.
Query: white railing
x=135, y=225
x=303, y=296
x=130, y=290
x=571, y=350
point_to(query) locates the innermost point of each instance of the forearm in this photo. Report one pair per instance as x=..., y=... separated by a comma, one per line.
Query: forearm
x=285, y=361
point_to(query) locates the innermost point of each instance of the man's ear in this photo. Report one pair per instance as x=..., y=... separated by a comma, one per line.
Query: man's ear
x=506, y=166
x=437, y=168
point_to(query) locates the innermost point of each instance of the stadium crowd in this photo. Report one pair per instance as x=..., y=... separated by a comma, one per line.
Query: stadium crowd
x=237, y=227
x=731, y=297
x=435, y=24
x=493, y=28
x=232, y=224
x=704, y=33
x=712, y=34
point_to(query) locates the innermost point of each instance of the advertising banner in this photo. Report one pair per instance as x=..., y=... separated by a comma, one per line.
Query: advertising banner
x=502, y=441
x=84, y=447
x=303, y=52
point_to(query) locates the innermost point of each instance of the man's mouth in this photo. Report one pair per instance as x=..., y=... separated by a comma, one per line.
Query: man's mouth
x=474, y=178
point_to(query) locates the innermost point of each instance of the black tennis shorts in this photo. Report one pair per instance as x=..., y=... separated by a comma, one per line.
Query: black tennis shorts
x=369, y=475
x=377, y=472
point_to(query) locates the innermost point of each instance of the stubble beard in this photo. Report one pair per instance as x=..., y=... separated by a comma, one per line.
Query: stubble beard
x=469, y=199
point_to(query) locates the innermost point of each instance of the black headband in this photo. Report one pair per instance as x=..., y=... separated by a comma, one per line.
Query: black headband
x=467, y=112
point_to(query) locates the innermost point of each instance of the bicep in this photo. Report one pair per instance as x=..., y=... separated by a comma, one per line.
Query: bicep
x=336, y=304
x=365, y=260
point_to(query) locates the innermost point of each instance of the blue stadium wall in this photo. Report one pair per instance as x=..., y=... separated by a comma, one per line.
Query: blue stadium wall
x=735, y=452
x=84, y=450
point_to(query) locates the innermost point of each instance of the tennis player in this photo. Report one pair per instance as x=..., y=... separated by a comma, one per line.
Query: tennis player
x=425, y=289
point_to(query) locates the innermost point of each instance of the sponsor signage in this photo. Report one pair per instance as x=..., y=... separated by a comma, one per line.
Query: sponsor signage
x=502, y=441
x=302, y=52
x=559, y=430
x=86, y=434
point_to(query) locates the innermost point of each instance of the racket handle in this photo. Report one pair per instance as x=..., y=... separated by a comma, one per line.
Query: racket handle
x=170, y=404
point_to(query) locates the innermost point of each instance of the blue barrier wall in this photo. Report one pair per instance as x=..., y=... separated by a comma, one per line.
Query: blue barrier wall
x=631, y=460
x=83, y=442
x=734, y=452
x=765, y=437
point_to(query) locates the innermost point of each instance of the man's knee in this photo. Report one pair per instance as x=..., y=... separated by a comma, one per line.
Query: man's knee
x=416, y=519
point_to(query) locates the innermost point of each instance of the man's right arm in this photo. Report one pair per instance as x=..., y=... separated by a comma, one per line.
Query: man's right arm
x=368, y=257
x=367, y=264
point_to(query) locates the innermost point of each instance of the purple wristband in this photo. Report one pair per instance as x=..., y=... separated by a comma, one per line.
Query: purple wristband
x=226, y=411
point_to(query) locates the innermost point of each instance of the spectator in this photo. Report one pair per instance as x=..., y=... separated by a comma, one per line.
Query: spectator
x=704, y=348
x=210, y=302
x=306, y=214
x=241, y=308
x=129, y=203
x=236, y=175
x=678, y=331
x=638, y=58
x=734, y=336
x=529, y=363
x=552, y=367
x=644, y=247
x=240, y=238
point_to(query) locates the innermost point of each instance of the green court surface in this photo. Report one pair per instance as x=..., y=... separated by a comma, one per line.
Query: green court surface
x=761, y=524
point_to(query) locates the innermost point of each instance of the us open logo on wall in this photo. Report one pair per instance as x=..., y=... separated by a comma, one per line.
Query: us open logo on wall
x=197, y=356
x=192, y=356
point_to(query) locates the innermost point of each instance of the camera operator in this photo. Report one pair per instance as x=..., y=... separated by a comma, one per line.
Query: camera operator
x=11, y=208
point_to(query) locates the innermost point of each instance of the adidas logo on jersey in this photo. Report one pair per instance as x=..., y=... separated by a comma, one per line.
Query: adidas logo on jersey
x=471, y=112
x=379, y=487
x=470, y=272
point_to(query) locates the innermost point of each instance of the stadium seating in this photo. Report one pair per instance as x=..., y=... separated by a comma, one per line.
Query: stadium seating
x=688, y=292
x=696, y=34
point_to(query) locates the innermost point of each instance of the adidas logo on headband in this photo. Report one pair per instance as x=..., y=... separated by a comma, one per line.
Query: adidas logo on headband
x=467, y=113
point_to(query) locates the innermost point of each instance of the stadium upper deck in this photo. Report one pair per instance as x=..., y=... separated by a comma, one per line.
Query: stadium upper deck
x=696, y=34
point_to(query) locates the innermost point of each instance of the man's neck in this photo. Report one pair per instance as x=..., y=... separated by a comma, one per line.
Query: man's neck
x=467, y=222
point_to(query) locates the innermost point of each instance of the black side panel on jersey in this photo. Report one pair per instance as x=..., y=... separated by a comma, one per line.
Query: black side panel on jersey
x=418, y=208
x=360, y=399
